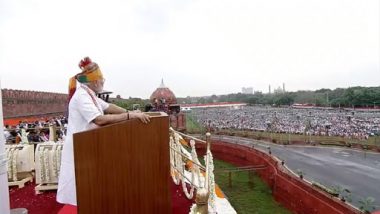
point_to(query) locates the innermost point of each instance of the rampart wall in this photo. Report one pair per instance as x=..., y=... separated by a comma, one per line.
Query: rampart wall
x=292, y=192
x=19, y=103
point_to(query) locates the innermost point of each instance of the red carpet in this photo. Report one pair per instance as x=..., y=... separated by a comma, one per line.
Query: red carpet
x=45, y=203
x=35, y=204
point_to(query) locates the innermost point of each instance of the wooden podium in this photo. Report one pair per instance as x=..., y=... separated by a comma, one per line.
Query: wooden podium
x=124, y=168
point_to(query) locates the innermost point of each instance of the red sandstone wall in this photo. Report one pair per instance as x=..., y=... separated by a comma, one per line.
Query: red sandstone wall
x=292, y=192
x=181, y=121
x=178, y=121
x=17, y=103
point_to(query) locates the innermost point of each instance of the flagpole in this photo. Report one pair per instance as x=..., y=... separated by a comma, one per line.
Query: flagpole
x=4, y=190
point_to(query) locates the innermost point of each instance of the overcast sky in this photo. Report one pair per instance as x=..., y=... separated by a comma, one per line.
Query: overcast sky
x=199, y=47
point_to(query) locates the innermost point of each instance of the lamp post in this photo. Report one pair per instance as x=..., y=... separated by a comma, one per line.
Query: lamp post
x=269, y=128
x=308, y=126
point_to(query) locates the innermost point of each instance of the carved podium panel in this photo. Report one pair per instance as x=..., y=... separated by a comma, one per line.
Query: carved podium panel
x=124, y=168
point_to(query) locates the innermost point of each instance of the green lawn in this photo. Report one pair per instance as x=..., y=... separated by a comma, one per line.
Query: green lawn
x=282, y=137
x=192, y=126
x=245, y=197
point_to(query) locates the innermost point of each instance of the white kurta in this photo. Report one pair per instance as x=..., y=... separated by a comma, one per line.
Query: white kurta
x=82, y=110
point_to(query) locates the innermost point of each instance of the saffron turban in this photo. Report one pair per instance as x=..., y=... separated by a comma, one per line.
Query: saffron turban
x=90, y=72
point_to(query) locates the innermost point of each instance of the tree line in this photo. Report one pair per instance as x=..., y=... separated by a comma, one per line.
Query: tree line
x=132, y=103
x=340, y=97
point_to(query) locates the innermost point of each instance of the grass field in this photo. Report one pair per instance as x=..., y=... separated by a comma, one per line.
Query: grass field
x=283, y=137
x=245, y=197
x=192, y=126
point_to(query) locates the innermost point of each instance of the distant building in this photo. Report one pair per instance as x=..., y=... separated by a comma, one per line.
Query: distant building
x=279, y=90
x=248, y=90
x=163, y=96
x=163, y=99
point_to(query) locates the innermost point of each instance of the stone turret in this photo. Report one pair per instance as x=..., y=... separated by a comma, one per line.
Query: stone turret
x=163, y=95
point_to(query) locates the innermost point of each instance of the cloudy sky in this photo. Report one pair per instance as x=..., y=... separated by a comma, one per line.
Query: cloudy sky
x=199, y=47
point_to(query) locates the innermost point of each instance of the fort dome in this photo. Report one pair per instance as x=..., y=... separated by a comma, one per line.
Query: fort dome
x=163, y=95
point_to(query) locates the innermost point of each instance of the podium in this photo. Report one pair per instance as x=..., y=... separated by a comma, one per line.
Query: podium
x=124, y=167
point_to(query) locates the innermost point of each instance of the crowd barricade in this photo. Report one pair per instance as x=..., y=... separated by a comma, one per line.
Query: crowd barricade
x=20, y=164
x=48, y=162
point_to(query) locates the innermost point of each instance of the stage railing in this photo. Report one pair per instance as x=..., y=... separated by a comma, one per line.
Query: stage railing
x=187, y=170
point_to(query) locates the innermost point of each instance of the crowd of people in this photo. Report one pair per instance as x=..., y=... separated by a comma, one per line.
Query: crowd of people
x=37, y=131
x=312, y=121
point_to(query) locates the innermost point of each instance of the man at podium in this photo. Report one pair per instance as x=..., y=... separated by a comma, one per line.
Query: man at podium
x=86, y=111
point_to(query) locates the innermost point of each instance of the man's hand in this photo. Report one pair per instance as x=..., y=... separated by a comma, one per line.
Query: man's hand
x=141, y=116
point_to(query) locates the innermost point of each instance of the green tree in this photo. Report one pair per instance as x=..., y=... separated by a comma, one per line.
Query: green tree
x=283, y=99
x=353, y=96
x=366, y=205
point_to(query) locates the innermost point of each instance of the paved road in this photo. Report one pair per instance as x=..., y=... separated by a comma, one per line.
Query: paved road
x=354, y=170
